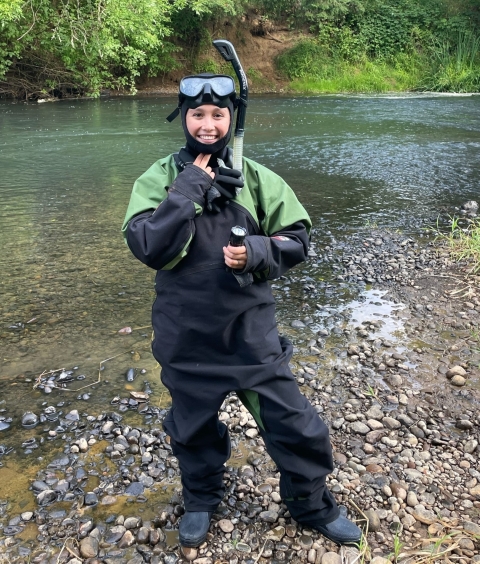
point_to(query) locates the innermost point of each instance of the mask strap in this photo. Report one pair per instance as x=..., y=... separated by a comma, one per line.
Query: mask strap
x=174, y=114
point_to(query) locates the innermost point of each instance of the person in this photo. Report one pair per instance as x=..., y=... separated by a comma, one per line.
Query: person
x=214, y=313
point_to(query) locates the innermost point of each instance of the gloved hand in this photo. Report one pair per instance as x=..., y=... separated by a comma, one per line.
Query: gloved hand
x=224, y=187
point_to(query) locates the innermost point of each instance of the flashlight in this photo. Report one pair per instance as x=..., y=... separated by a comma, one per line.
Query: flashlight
x=237, y=236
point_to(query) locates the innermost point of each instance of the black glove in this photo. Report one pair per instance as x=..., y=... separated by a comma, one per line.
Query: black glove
x=193, y=182
x=224, y=187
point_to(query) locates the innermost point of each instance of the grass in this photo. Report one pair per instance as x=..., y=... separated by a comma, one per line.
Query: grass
x=313, y=68
x=457, y=68
x=397, y=547
x=463, y=241
x=368, y=76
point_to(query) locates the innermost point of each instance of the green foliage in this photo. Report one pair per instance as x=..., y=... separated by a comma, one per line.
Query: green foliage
x=50, y=47
x=455, y=68
x=304, y=60
x=87, y=45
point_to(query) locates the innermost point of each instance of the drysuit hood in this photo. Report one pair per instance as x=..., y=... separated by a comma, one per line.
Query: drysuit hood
x=205, y=89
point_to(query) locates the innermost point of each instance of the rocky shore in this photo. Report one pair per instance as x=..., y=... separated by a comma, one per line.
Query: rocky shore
x=398, y=386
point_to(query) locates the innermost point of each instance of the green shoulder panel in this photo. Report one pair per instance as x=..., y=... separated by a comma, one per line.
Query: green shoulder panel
x=150, y=189
x=270, y=193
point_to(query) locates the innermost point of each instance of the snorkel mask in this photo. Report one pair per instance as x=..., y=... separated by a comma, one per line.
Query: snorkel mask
x=206, y=88
x=197, y=90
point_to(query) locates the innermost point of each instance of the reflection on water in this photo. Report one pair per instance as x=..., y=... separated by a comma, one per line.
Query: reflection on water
x=68, y=281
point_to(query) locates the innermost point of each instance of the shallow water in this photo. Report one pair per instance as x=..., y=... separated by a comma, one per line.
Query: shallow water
x=68, y=281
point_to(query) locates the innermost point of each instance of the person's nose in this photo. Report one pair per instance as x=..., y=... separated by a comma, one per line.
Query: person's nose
x=208, y=124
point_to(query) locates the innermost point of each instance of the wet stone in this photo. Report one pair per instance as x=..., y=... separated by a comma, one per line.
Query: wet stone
x=305, y=542
x=89, y=547
x=243, y=547
x=115, y=534
x=189, y=553
x=127, y=540
x=131, y=523
x=46, y=497
x=91, y=498
x=143, y=535
x=268, y=516
x=226, y=525
x=135, y=488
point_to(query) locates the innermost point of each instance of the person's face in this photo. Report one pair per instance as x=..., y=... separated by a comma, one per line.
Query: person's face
x=207, y=124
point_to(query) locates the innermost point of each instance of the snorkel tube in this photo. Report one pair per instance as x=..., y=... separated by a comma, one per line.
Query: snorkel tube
x=227, y=51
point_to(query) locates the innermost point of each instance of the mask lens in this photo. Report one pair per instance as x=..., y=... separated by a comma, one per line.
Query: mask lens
x=192, y=86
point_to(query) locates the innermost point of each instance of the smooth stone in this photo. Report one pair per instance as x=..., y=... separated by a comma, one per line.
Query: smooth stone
x=135, y=488
x=72, y=415
x=89, y=547
x=458, y=381
x=189, y=553
x=115, y=534
x=127, y=540
x=131, y=523
x=83, y=445
x=470, y=446
x=46, y=497
x=374, y=424
x=424, y=515
x=412, y=500
x=471, y=528
x=456, y=371
x=331, y=558
x=91, y=498
x=391, y=423
x=464, y=424
x=143, y=535
x=109, y=500
x=373, y=520
x=226, y=525
x=305, y=542
x=360, y=428
x=27, y=516
x=268, y=516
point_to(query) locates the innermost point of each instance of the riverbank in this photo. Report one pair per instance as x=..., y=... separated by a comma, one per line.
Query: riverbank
x=395, y=374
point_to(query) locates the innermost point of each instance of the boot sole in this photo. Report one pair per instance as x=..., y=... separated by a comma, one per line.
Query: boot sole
x=192, y=543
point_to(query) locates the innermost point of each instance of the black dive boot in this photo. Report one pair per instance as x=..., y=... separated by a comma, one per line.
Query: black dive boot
x=194, y=528
x=340, y=531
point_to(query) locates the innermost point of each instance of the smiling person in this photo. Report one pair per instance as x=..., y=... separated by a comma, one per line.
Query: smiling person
x=214, y=313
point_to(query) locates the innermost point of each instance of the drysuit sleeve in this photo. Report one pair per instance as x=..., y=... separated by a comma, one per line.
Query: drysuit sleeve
x=160, y=238
x=270, y=257
x=284, y=222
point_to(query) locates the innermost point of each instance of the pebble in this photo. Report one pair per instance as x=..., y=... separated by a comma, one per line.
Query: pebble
x=189, y=553
x=331, y=558
x=458, y=381
x=89, y=547
x=226, y=525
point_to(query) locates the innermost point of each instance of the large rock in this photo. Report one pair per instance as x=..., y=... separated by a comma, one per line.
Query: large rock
x=424, y=515
x=127, y=540
x=46, y=497
x=359, y=427
x=89, y=547
x=458, y=381
x=456, y=371
x=331, y=558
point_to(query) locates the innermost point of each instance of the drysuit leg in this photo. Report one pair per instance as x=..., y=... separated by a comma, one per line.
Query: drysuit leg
x=298, y=442
x=202, y=445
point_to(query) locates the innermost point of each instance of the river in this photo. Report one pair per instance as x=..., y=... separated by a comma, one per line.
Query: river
x=68, y=281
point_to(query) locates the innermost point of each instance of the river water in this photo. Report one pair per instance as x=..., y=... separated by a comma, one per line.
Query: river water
x=68, y=281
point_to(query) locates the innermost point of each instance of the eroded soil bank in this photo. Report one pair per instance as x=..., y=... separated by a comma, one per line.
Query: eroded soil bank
x=394, y=373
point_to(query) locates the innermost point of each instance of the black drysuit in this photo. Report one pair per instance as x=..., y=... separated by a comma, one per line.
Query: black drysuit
x=212, y=336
